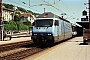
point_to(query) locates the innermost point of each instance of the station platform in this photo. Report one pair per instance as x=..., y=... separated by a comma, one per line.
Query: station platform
x=72, y=49
x=15, y=39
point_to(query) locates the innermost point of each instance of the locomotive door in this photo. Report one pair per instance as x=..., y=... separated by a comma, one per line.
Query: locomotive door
x=56, y=30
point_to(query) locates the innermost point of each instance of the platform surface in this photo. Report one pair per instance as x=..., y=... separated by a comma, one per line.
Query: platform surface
x=72, y=49
x=14, y=40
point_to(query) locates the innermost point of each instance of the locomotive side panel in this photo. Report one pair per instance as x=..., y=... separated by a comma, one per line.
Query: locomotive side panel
x=64, y=31
x=68, y=30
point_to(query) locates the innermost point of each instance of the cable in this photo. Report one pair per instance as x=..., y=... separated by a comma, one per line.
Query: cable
x=52, y=5
x=56, y=2
x=67, y=8
x=16, y=2
x=29, y=6
x=47, y=3
x=23, y=5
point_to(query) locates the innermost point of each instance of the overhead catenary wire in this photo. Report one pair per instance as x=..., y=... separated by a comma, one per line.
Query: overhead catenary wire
x=35, y=5
x=23, y=5
x=69, y=10
x=52, y=5
x=70, y=16
x=29, y=5
x=55, y=2
x=57, y=8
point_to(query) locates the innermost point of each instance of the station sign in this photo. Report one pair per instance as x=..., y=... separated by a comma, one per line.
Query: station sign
x=84, y=19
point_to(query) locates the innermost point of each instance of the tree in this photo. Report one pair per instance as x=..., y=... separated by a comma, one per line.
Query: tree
x=12, y=25
x=22, y=9
x=10, y=6
x=17, y=16
x=22, y=26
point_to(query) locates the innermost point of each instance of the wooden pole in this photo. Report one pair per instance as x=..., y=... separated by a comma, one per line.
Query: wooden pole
x=0, y=19
x=89, y=14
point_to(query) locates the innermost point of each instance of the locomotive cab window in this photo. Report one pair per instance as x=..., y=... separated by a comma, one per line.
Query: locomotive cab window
x=56, y=23
x=44, y=23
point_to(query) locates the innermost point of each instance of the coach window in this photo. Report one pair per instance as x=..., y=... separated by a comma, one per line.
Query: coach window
x=56, y=23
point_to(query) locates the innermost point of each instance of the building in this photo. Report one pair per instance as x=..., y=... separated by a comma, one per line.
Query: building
x=7, y=14
x=27, y=17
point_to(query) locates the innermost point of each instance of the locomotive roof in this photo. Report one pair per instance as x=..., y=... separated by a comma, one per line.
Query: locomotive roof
x=64, y=19
x=47, y=15
x=50, y=15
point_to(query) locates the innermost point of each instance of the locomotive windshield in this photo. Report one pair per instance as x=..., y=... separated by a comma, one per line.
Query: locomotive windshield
x=44, y=23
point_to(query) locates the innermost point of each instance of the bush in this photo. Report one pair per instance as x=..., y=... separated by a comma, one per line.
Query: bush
x=12, y=25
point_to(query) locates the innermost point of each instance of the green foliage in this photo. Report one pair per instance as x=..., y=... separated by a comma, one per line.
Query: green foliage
x=15, y=25
x=22, y=26
x=22, y=9
x=32, y=12
x=10, y=26
x=10, y=6
x=29, y=25
x=17, y=16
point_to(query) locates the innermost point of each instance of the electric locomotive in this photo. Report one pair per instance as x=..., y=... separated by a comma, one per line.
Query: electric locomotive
x=49, y=28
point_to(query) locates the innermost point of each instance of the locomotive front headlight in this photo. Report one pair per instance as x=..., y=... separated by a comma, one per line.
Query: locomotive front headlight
x=49, y=34
x=35, y=34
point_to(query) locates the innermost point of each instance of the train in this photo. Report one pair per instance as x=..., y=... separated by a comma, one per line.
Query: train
x=74, y=30
x=49, y=28
x=77, y=30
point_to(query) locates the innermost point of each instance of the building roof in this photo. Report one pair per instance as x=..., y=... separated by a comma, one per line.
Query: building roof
x=7, y=9
x=47, y=15
x=26, y=15
x=84, y=24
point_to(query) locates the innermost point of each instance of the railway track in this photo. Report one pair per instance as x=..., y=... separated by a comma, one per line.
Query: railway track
x=6, y=47
x=18, y=50
x=20, y=53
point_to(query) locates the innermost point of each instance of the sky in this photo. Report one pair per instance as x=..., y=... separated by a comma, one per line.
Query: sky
x=72, y=8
